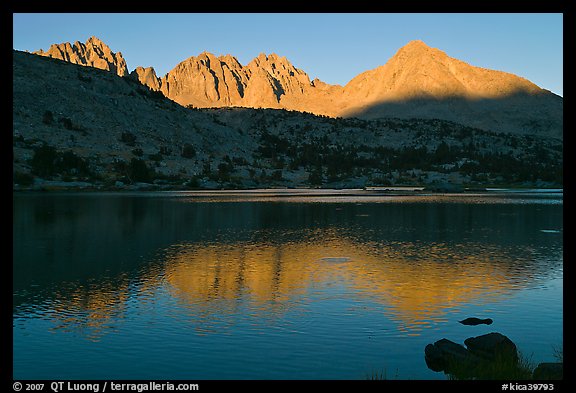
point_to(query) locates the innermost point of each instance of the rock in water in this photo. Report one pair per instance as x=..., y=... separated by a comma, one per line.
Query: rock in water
x=444, y=354
x=476, y=321
x=493, y=346
x=490, y=356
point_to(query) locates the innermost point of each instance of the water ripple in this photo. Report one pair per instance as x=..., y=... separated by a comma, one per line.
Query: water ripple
x=276, y=290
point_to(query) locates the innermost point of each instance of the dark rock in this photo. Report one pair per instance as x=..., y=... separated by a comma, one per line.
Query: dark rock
x=476, y=321
x=493, y=346
x=490, y=356
x=547, y=371
x=434, y=358
x=444, y=354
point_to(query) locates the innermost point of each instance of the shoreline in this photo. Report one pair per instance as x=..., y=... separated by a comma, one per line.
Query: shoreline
x=145, y=188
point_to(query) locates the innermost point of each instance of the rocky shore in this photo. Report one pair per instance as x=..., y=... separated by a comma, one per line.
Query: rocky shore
x=489, y=356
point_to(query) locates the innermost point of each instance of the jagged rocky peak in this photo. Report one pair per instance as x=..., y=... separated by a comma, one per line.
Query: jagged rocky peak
x=208, y=58
x=96, y=42
x=147, y=76
x=92, y=53
x=290, y=78
x=271, y=61
x=205, y=80
x=210, y=80
x=230, y=61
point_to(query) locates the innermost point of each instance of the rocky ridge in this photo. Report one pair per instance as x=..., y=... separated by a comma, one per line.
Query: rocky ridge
x=77, y=125
x=93, y=53
x=417, y=82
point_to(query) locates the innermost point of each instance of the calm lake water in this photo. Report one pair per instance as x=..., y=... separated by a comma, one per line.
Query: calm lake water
x=224, y=286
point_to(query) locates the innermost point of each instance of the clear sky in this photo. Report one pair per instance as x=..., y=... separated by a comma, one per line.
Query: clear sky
x=333, y=47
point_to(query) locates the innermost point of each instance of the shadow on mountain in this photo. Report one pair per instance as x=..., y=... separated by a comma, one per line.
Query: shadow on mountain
x=537, y=114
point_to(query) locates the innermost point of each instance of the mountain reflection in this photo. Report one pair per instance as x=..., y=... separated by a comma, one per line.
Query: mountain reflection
x=89, y=310
x=85, y=264
x=416, y=283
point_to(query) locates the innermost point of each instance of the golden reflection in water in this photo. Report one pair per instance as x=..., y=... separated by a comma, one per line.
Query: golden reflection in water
x=90, y=310
x=417, y=284
x=266, y=273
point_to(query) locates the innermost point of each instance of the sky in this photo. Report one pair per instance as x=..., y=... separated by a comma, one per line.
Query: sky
x=333, y=47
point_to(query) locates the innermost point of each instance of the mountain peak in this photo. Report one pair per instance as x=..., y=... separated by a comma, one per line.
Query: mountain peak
x=207, y=54
x=84, y=54
x=417, y=48
x=418, y=70
x=95, y=41
x=269, y=58
x=230, y=60
x=416, y=44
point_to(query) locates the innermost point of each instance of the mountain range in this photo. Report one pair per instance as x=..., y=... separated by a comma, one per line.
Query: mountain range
x=81, y=118
x=417, y=82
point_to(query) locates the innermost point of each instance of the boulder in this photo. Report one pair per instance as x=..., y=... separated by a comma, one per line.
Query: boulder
x=490, y=356
x=493, y=346
x=547, y=371
x=444, y=354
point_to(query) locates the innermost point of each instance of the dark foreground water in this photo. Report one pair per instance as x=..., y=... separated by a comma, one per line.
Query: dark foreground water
x=217, y=286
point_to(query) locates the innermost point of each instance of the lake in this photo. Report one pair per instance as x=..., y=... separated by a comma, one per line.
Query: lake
x=278, y=284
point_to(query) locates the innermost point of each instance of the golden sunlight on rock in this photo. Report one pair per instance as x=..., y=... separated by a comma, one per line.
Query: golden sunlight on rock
x=418, y=81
